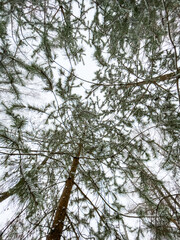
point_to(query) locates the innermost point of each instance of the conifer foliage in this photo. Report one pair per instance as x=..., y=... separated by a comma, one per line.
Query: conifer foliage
x=95, y=157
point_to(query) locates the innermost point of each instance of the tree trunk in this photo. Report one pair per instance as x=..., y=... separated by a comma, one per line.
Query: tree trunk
x=60, y=214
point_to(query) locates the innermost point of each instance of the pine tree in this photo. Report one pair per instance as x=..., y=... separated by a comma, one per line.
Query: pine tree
x=90, y=159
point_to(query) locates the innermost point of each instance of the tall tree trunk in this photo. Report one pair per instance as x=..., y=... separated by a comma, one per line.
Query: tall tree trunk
x=58, y=222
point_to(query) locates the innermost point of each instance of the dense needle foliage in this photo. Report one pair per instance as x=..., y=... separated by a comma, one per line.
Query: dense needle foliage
x=111, y=139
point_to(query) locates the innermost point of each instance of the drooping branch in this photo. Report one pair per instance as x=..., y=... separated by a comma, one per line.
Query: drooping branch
x=15, y=189
x=60, y=214
x=5, y=195
x=98, y=213
x=11, y=191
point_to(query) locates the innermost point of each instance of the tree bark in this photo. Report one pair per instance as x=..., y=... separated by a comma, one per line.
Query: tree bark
x=60, y=214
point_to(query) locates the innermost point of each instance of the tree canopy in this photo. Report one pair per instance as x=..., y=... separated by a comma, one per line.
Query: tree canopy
x=93, y=157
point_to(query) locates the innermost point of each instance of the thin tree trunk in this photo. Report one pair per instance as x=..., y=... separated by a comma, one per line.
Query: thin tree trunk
x=60, y=214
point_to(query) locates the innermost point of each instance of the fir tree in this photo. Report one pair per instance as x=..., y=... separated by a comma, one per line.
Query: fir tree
x=90, y=159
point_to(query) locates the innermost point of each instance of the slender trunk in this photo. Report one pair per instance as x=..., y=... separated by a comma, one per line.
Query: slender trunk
x=60, y=214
